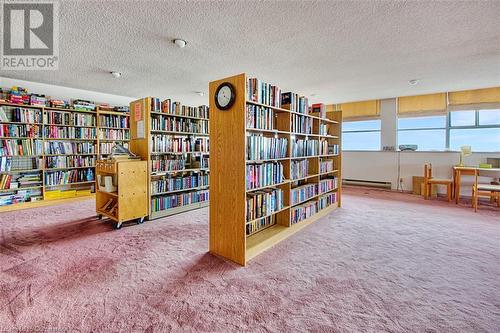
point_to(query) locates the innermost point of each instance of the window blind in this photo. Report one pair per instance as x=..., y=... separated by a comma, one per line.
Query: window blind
x=422, y=104
x=360, y=110
x=473, y=97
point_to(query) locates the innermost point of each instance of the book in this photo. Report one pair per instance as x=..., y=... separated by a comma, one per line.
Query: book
x=261, y=147
x=264, y=174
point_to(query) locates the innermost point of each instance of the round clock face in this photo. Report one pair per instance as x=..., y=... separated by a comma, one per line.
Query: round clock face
x=224, y=96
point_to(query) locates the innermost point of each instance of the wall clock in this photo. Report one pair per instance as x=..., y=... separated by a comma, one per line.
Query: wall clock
x=225, y=96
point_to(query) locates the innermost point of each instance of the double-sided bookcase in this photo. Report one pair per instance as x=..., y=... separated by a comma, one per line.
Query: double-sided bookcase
x=113, y=127
x=274, y=168
x=173, y=138
x=46, y=154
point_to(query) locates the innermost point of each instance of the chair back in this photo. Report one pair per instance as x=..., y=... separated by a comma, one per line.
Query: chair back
x=427, y=171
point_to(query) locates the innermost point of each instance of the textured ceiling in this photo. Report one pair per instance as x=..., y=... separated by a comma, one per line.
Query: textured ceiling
x=340, y=51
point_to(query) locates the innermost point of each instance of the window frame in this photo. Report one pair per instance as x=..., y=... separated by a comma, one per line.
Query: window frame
x=445, y=128
x=365, y=131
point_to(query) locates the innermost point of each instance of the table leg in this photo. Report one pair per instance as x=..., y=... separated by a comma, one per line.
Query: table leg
x=458, y=177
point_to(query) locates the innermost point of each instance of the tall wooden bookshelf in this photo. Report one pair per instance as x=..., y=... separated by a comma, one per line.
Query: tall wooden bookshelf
x=113, y=127
x=150, y=127
x=231, y=186
x=65, y=147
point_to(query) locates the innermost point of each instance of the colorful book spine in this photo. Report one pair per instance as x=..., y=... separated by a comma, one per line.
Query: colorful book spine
x=302, y=148
x=25, y=115
x=326, y=166
x=303, y=193
x=263, y=93
x=178, y=200
x=113, y=134
x=69, y=148
x=170, y=144
x=326, y=185
x=20, y=131
x=259, y=117
x=53, y=178
x=22, y=147
x=169, y=184
x=65, y=132
x=295, y=103
x=327, y=200
x=163, y=163
x=114, y=121
x=107, y=147
x=69, y=161
x=265, y=174
x=159, y=123
x=303, y=211
x=301, y=124
x=263, y=203
x=299, y=169
x=260, y=224
x=328, y=148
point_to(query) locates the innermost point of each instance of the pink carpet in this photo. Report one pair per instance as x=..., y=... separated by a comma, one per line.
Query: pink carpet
x=386, y=262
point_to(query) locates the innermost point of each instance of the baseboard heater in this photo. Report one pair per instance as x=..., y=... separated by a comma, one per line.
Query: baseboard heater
x=367, y=183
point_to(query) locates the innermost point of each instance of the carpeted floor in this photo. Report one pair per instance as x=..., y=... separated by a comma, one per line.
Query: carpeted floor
x=385, y=262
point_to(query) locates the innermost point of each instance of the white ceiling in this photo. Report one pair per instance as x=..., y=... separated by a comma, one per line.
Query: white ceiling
x=340, y=51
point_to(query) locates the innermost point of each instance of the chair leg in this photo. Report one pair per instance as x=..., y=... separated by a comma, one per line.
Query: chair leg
x=448, y=192
x=474, y=198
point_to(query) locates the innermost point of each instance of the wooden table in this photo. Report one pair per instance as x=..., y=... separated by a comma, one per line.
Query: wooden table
x=458, y=172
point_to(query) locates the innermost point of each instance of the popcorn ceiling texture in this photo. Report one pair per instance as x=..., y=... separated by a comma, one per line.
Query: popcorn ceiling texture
x=339, y=50
x=386, y=262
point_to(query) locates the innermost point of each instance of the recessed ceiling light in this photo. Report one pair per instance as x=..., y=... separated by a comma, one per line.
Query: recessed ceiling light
x=181, y=43
x=116, y=75
x=413, y=82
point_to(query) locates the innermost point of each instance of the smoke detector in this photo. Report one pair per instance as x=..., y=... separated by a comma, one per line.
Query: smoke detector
x=181, y=43
x=116, y=75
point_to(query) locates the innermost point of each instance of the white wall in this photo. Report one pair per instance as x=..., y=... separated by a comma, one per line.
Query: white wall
x=383, y=165
x=66, y=93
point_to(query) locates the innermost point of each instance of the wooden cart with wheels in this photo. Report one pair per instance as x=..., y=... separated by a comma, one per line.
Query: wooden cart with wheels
x=127, y=198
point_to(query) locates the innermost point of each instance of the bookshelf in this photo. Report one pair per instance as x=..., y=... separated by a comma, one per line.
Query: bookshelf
x=47, y=154
x=276, y=168
x=174, y=139
x=113, y=127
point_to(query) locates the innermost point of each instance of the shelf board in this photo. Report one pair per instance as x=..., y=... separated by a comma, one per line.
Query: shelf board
x=304, y=134
x=304, y=178
x=76, y=183
x=66, y=125
x=181, y=153
x=68, y=139
x=267, y=160
x=328, y=172
x=90, y=154
x=20, y=171
x=177, y=115
x=263, y=217
x=267, y=238
x=18, y=138
x=112, y=140
x=42, y=203
x=113, y=194
x=116, y=113
x=268, y=186
x=19, y=123
x=180, y=133
x=329, y=155
x=108, y=215
x=20, y=188
x=177, y=210
x=181, y=190
x=21, y=105
x=69, y=110
x=267, y=131
x=163, y=173
x=21, y=155
x=304, y=157
x=69, y=168
x=306, y=200
x=115, y=128
x=292, y=112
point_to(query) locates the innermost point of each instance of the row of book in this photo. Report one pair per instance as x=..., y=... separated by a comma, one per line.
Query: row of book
x=177, y=109
x=299, y=169
x=23, y=131
x=328, y=184
x=116, y=121
x=23, y=180
x=301, y=124
x=179, y=125
x=113, y=134
x=20, y=195
x=107, y=147
x=327, y=148
x=310, y=208
x=264, y=93
x=22, y=147
x=169, y=184
x=65, y=132
x=302, y=148
x=260, y=117
x=67, y=177
x=293, y=102
x=260, y=224
x=261, y=147
x=69, y=148
x=12, y=164
x=303, y=193
x=263, y=203
x=168, y=144
x=326, y=166
x=20, y=115
x=265, y=174
x=68, y=118
x=69, y=161
x=161, y=163
x=160, y=203
x=323, y=129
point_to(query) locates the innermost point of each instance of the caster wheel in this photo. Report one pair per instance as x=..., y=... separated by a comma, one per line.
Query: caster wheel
x=99, y=217
x=140, y=220
x=118, y=226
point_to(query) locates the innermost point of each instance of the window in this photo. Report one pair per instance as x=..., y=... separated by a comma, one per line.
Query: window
x=479, y=129
x=361, y=135
x=428, y=133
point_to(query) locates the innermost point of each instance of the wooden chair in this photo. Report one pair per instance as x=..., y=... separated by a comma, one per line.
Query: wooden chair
x=429, y=181
x=488, y=190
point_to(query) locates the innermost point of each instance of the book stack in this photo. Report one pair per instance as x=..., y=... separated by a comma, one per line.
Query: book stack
x=69, y=148
x=25, y=147
x=260, y=224
x=265, y=174
x=67, y=177
x=179, y=125
x=164, y=163
x=39, y=100
x=263, y=203
x=83, y=105
x=326, y=185
x=169, y=184
x=294, y=103
x=259, y=117
x=69, y=161
x=261, y=148
x=178, y=200
x=303, y=193
x=263, y=93
x=301, y=148
x=301, y=124
x=299, y=169
x=18, y=196
x=327, y=200
x=169, y=144
x=325, y=166
x=303, y=211
x=24, y=131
